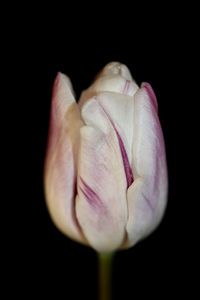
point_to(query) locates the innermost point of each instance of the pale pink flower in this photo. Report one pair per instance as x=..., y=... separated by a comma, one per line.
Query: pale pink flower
x=105, y=169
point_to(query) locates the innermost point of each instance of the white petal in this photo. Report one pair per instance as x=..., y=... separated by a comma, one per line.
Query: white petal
x=101, y=202
x=114, y=77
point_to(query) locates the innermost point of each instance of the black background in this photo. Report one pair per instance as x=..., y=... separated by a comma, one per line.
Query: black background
x=41, y=261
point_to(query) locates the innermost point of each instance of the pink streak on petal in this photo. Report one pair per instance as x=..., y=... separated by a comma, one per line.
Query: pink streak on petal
x=126, y=87
x=127, y=167
x=151, y=94
x=92, y=198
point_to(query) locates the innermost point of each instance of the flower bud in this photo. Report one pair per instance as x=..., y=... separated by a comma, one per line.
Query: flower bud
x=105, y=169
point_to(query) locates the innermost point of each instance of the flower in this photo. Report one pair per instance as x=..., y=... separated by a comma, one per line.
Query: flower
x=105, y=169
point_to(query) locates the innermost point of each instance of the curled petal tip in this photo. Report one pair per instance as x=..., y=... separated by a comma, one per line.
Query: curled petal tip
x=117, y=68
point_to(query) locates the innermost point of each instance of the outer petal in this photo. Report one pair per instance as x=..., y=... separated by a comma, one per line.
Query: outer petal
x=147, y=196
x=101, y=201
x=60, y=165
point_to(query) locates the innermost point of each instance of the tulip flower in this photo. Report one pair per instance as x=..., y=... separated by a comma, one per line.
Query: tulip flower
x=105, y=169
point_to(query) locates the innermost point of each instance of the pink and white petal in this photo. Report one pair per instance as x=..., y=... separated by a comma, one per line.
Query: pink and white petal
x=116, y=77
x=60, y=165
x=120, y=109
x=101, y=202
x=147, y=196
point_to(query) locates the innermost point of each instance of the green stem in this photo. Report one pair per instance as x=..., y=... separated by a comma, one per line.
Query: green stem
x=105, y=275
